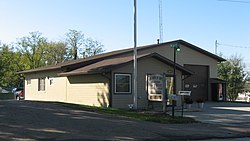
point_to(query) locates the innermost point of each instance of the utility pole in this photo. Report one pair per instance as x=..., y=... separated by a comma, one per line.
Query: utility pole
x=135, y=59
x=176, y=48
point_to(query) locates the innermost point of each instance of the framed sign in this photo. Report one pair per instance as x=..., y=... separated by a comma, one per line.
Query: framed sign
x=155, y=87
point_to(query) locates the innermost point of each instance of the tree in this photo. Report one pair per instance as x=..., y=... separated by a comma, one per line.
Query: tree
x=35, y=51
x=9, y=65
x=55, y=53
x=233, y=72
x=75, y=40
x=33, y=48
x=92, y=47
x=79, y=47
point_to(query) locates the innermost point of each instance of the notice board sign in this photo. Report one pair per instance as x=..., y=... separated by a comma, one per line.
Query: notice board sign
x=186, y=93
x=155, y=87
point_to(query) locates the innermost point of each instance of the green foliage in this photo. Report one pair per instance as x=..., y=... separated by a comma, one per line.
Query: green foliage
x=6, y=96
x=92, y=48
x=79, y=47
x=9, y=65
x=35, y=51
x=55, y=53
x=75, y=40
x=233, y=72
x=33, y=48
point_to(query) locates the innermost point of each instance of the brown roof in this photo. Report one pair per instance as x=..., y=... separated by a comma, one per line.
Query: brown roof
x=107, y=64
x=100, y=57
x=95, y=58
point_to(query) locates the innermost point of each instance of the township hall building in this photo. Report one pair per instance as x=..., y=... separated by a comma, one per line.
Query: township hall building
x=107, y=79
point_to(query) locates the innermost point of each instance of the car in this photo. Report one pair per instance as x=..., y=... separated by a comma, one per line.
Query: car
x=18, y=93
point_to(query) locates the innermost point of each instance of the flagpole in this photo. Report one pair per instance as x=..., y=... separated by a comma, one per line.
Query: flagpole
x=135, y=59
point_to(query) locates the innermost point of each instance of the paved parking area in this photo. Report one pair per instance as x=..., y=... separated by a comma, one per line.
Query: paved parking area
x=227, y=113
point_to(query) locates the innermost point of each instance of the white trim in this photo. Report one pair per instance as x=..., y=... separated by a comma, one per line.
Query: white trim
x=130, y=85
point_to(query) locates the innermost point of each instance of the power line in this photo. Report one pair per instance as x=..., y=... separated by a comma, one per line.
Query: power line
x=235, y=46
x=236, y=1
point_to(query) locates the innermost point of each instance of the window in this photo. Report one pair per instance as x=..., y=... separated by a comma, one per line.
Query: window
x=123, y=83
x=41, y=84
x=28, y=81
x=51, y=81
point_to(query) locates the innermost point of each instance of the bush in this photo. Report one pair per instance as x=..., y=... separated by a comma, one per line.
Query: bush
x=200, y=100
x=188, y=101
x=6, y=96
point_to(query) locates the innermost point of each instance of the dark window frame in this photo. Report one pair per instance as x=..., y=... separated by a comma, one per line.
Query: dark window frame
x=130, y=84
x=51, y=81
x=28, y=82
x=41, y=84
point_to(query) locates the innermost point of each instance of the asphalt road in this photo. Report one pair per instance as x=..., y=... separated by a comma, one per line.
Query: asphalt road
x=26, y=120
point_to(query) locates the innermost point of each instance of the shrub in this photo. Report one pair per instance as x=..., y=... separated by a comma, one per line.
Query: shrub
x=200, y=100
x=188, y=101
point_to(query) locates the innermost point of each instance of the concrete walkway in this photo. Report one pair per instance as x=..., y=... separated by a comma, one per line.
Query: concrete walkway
x=226, y=113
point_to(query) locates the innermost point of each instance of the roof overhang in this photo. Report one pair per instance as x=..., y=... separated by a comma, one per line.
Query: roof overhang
x=71, y=65
x=217, y=80
x=107, y=65
x=46, y=68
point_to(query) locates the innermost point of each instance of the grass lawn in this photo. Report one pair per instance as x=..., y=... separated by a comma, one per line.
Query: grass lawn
x=141, y=115
x=6, y=96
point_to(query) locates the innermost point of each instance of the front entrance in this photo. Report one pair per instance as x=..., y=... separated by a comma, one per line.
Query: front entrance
x=218, y=89
x=198, y=82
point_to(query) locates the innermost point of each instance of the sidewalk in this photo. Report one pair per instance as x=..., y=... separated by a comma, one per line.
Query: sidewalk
x=232, y=118
x=219, y=121
x=224, y=113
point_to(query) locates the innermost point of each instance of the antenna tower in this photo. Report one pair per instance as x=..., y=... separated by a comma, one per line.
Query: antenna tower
x=160, y=21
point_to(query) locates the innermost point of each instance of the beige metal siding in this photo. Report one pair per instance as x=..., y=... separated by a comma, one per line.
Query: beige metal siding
x=85, y=89
x=90, y=90
x=55, y=92
x=153, y=66
x=145, y=66
x=186, y=56
x=122, y=100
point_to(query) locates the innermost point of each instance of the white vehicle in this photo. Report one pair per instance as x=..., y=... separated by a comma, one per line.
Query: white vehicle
x=18, y=93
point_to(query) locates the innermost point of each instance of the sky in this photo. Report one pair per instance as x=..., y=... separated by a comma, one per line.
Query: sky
x=199, y=22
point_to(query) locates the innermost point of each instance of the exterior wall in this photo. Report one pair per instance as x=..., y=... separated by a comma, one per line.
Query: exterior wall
x=84, y=89
x=54, y=92
x=90, y=90
x=186, y=56
x=145, y=66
